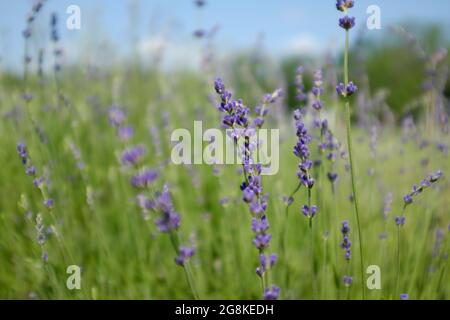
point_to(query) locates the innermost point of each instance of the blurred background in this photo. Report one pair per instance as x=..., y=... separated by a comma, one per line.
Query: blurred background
x=267, y=37
x=80, y=98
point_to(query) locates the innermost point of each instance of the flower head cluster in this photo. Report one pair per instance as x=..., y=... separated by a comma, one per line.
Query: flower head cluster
x=235, y=113
x=400, y=220
x=346, y=91
x=348, y=280
x=30, y=169
x=169, y=220
x=36, y=8
x=262, y=111
x=344, y=5
x=317, y=90
x=144, y=178
x=346, y=243
x=133, y=155
x=347, y=22
x=331, y=146
x=299, y=85
x=271, y=293
x=424, y=184
x=40, y=236
x=184, y=254
x=265, y=263
x=309, y=212
x=236, y=116
x=301, y=150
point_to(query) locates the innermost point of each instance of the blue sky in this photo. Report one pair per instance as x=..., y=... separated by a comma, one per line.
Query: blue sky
x=288, y=26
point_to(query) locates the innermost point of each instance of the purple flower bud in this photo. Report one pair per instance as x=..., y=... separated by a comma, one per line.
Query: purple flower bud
x=184, y=254
x=404, y=296
x=348, y=280
x=343, y=5
x=400, y=221
x=219, y=86
x=347, y=22
x=271, y=293
x=408, y=199
x=261, y=241
x=125, y=133
x=144, y=178
x=351, y=88
x=309, y=212
x=132, y=156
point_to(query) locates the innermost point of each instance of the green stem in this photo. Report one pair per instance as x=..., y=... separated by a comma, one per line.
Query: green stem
x=352, y=171
x=186, y=266
x=313, y=279
x=397, y=281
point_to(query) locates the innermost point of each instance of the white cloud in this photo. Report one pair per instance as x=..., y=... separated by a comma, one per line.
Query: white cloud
x=173, y=54
x=303, y=43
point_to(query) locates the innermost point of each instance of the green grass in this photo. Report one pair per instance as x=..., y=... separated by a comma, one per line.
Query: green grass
x=101, y=229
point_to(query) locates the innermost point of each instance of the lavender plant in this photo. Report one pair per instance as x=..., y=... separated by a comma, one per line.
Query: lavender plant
x=346, y=245
x=236, y=116
x=346, y=90
x=408, y=199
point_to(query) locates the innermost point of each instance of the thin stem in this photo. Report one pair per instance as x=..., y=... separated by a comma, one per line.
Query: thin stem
x=397, y=281
x=352, y=172
x=186, y=266
x=313, y=271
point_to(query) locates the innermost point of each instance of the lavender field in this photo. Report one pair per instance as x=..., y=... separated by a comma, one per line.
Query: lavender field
x=95, y=204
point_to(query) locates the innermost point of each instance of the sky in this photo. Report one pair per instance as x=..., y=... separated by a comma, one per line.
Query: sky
x=121, y=26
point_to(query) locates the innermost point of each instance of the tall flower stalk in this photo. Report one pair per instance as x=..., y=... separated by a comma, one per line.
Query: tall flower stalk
x=347, y=89
x=236, y=116
x=400, y=220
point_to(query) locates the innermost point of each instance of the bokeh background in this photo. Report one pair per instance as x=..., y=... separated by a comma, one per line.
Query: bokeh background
x=156, y=61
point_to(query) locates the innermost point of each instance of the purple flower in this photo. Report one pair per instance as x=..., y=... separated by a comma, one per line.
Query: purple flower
x=22, y=152
x=38, y=182
x=343, y=5
x=400, y=221
x=132, y=156
x=404, y=296
x=49, y=203
x=309, y=212
x=200, y=3
x=348, y=280
x=346, y=243
x=184, y=254
x=351, y=88
x=271, y=293
x=408, y=199
x=116, y=116
x=260, y=225
x=272, y=259
x=347, y=22
x=145, y=203
x=219, y=86
x=424, y=184
x=144, y=178
x=236, y=115
x=332, y=176
x=30, y=171
x=346, y=91
x=345, y=227
x=299, y=86
x=125, y=133
x=261, y=241
x=168, y=221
